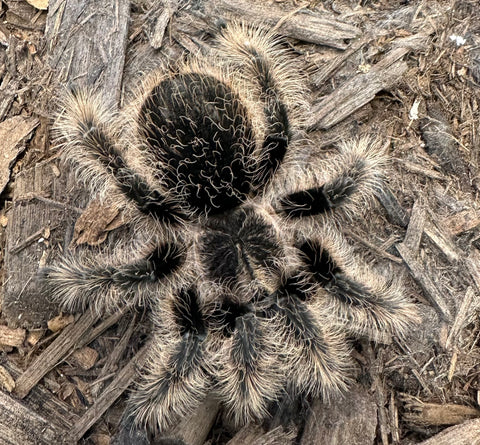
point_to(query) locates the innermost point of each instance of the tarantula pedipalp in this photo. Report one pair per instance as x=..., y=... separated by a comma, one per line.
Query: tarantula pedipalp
x=252, y=287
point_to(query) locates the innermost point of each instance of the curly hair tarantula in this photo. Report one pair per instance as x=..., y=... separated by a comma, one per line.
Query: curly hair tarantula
x=236, y=251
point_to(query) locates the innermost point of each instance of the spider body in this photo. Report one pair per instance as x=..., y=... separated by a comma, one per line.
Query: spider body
x=251, y=286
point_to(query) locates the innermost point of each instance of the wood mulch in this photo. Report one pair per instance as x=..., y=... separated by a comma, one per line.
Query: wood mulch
x=406, y=70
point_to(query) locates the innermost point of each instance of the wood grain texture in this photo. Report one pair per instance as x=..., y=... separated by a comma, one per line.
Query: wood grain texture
x=70, y=339
x=300, y=23
x=351, y=420
x=86, y=43
x=20, y=425
x=468, y=433
x=23, y=303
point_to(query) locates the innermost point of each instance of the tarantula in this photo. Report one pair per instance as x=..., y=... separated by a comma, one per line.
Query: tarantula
x=236, y=248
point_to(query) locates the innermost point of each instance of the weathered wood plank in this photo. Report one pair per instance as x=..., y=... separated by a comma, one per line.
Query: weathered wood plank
x=300, y=23
x=468, y=433
x=86, y=44
x=87, y=41
x=19, y=425
x=29, y=219
x=352, y=420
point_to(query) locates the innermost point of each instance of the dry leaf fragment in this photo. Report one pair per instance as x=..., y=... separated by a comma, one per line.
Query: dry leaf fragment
x=84, y=357
x=12, y=133
x=95, y=222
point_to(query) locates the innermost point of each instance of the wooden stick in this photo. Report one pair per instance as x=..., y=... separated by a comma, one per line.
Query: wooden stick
x=300, y=24
x=70, y=339
x=111, y=393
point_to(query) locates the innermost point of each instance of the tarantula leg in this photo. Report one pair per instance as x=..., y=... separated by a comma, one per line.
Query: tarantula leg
x=84, y=125
x=263, y=63
x=249, y=377
x=354, y=175
x=363, y=302
x=317, y=357
x=107, y=287
x=317, y=200
x=176, y=379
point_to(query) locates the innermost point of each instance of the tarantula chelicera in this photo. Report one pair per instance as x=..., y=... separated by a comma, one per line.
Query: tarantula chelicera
x=237, y=250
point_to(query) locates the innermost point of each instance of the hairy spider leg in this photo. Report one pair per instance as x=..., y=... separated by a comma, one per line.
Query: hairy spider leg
x=357, y=174
x=200, y=136
x=176, y=378
x=363, y=302
x=248, y=375
x=107, y=287
x=317, y=357
x=258, y=55
x=84, y=126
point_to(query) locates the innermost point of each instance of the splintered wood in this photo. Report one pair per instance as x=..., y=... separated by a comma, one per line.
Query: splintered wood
x=58, y=350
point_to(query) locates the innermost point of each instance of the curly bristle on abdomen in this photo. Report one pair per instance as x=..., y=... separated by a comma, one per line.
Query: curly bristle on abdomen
x=200, y=135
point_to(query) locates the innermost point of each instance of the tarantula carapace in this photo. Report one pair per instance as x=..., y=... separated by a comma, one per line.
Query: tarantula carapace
x=236, y=248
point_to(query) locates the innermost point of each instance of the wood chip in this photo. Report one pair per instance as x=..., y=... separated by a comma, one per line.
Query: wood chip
x=58, y=350
x=122, y=380
x=39, y=4
x=84, y=357
x=468, y=307
x=34, y=336
x=463, y=221
x=415, y=227
x=434, y=414
x=13, y=132
x=426, y=281
x=6, y=380
x=60, y=321
x=12, y=336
